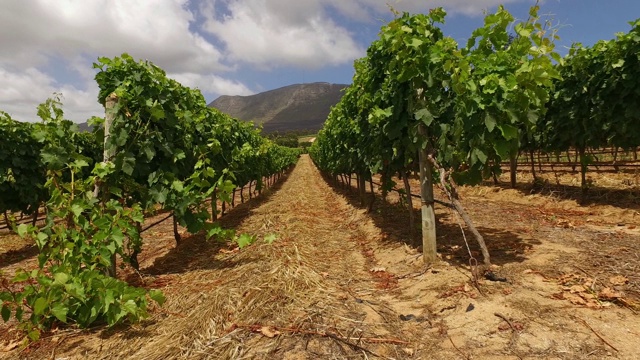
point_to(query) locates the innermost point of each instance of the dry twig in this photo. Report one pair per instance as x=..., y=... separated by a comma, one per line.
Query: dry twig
x=352, y=345
x=460, y=351
x=507, y=320
x=414, y=275
x=598, y=335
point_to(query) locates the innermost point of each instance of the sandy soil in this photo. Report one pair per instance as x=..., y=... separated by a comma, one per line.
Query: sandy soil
x=340, y=282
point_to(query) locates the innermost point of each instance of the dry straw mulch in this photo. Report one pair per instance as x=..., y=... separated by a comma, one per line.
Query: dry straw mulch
x=339, y=283
x=305, y=296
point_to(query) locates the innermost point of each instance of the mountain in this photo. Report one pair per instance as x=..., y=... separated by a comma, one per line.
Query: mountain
x=293, y=107
x=85, y=127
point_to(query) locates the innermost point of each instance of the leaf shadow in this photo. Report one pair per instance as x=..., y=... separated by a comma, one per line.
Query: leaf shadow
x=595, y=195
x=17, y=255
x=195, y=252
x=392, y=218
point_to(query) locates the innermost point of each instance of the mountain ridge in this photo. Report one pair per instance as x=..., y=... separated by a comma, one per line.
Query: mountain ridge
x=292, y=107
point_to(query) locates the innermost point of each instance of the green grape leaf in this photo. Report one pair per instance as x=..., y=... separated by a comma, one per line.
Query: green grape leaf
x=245, y=240
x=157, y=296
x=270, y=238
x=6, y=312
x=60, y=311
x=40, y=306
x=490, y=122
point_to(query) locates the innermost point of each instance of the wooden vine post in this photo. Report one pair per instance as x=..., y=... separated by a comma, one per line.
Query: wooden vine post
x=429, y=249
x=110, y=113
x=362, y=188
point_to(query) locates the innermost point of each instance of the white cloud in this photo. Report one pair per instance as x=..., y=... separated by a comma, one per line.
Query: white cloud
x=302, y=33
x=49, y=47
x=212, y=84
x=30, y=87
x=269, y=33
x=158, y=30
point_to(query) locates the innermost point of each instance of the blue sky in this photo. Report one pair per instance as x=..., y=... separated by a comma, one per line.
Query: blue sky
x=233, y=47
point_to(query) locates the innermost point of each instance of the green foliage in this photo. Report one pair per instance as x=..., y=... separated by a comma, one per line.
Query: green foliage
x=471, y=107
x=502, y=85
x=172, y=150
x=29, y=150
x=168, y=148
x=83, y=297
x=187, y=150
x=22, y=173
x=270, y=238
x=76, y=246
x=596, y=102
x=245, y=240
x=288, y=141
x=305, y=145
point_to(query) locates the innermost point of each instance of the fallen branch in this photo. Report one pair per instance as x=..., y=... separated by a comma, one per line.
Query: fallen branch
x=598, y=335
x=352, y=345
x=507, y=320
x=414, y=275
x=513, y=333
x=369, y=303
x=584, y=271
x=460, y=351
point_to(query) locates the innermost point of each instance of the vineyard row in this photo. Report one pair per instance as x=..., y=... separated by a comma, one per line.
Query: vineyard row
x=159, y=148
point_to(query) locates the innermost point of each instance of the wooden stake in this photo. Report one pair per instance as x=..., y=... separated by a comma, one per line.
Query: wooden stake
x=108, y=154
x=429, y=246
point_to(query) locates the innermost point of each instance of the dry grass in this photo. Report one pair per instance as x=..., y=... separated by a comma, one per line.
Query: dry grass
x=337, y=280
x=269, y=300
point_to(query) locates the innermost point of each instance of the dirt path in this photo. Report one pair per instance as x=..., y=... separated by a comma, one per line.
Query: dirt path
x=339, y=283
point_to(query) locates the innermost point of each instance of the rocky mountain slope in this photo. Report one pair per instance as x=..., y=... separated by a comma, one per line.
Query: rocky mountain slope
x=293, y=107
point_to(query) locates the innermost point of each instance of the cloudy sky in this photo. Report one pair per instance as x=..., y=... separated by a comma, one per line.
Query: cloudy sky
x=232, y=47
